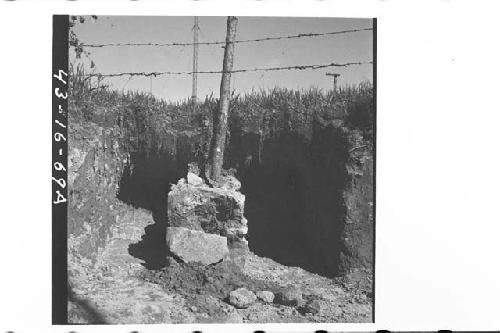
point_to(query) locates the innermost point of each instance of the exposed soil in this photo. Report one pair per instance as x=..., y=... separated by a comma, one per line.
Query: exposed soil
x=119, y=289
x=308, y=206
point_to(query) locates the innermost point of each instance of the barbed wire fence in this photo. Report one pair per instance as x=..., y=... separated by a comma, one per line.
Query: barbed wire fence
x=155, y=74
x=297, y=67
x=223, y=43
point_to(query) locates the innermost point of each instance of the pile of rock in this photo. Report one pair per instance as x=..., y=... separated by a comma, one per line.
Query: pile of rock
x=205, y=223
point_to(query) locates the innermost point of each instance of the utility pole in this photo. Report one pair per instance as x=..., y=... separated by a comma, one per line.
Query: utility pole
x=335, y=80
x=195, y=61
x=218, y=142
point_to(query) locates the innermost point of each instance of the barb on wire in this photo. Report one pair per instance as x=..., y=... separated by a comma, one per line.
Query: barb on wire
x=236, y=41
x=299, y=67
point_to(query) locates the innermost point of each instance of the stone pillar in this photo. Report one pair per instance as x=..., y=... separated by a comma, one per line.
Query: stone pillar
x=206, y=224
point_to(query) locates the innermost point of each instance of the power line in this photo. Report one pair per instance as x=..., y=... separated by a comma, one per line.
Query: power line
x=223, y=43
x=299, y=67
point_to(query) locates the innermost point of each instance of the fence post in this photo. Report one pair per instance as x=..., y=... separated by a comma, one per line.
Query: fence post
x=195, y=61
x=218, y=141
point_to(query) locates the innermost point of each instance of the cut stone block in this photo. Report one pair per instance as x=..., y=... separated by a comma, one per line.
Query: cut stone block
x=196, y=246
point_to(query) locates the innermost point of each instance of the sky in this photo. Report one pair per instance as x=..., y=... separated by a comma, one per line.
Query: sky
x=351, y=47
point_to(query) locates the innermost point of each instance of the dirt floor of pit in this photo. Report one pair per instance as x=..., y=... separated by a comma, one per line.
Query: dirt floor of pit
x=119, y=290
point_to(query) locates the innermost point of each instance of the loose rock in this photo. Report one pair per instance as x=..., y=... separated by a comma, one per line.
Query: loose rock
x=234, y=318
x=194, y=179
x=196, y=246
x=290, y=297
x=229, y=182
x=242, y=298
x=313, y=307
x=265, y=296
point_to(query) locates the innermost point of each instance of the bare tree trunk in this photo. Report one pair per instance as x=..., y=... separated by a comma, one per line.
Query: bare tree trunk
x=218, y=141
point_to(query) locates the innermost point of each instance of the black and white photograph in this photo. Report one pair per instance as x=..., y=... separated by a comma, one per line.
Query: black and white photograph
x=220, y=169
x=274, y=166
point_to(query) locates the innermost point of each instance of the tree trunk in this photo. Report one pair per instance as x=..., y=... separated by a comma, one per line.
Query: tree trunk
x=218, y=142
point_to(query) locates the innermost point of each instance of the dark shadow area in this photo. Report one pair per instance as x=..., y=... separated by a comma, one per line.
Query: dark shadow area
x=145, y=183
x=294, y=196
x=85, y=310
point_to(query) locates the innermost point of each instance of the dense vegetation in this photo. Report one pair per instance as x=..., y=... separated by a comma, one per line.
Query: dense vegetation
x=146, y=120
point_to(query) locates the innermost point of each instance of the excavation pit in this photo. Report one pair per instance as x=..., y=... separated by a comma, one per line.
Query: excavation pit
x=294, y=197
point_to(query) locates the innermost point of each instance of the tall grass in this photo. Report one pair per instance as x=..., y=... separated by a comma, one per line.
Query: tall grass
x=141, y=115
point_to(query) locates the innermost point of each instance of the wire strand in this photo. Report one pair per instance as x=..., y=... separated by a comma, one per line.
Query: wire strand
x=299, y=67
x=223, y=42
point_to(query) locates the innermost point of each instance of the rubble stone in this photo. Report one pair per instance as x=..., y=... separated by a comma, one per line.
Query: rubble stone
x=312, y=307
x=196, y=246
x=265, y=296
x=242, y=298
x=290, y=297
x=193, y=179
